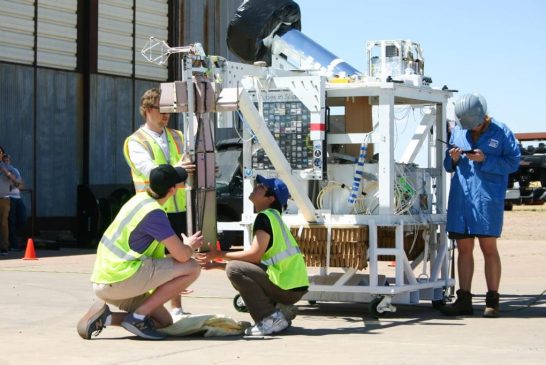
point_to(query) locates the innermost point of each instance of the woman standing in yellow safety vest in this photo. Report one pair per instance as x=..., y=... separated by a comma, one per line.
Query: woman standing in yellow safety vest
x=271, y=275
x=131, y=271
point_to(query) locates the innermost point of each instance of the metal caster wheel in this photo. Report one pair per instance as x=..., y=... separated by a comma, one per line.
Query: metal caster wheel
x=372, y=308
x=239, y=304
x=378, y=306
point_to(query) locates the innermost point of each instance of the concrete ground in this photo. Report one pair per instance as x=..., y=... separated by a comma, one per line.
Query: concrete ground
x=42, y=300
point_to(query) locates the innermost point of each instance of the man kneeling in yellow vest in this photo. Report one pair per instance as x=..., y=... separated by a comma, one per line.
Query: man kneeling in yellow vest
x=271, y=275
x=131, y=270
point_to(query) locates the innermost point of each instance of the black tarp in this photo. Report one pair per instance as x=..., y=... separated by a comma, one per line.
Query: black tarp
x=257, y=19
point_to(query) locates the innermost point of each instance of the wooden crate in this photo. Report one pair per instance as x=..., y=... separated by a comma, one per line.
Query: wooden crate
x=349, y=245
x=412, y=246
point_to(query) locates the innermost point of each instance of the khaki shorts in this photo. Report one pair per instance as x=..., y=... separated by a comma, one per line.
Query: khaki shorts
x=129, y=294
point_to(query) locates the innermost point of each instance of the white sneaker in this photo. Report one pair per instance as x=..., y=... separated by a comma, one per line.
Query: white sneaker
x=177, y=313
x=271, y=324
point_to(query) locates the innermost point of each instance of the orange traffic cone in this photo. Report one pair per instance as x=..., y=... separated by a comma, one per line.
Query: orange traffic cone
x=30, y=254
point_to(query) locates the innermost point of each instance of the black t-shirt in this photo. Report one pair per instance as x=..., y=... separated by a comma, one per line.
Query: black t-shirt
x=262, y=223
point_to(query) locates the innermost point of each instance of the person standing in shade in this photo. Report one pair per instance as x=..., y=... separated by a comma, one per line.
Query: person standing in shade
x=476, y=197
x=17, y=212
x=8, y=179
x=131, y=270
x=271, y=275
x=153, y=144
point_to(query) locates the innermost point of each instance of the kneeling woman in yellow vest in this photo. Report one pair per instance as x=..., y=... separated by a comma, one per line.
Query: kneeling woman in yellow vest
x=271, y=275
x=131, y=271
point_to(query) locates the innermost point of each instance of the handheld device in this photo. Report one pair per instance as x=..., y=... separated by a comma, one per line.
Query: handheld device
x=453, y=146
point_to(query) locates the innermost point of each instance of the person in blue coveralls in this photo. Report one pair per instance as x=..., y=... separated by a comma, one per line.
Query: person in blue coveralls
x=484, y=152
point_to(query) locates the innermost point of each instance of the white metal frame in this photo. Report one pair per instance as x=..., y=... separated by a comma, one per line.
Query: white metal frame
x=315, y=92
x=405, y=286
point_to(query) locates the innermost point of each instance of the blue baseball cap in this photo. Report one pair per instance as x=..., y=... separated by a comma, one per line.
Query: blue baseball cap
x=277, y=186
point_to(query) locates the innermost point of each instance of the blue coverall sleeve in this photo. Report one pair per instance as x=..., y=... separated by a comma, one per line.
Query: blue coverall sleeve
x=508, y=161
x=448, y=162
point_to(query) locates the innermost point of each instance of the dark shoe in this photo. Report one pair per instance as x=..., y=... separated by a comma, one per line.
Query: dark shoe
x=3, y=252
x=93, y=321
x=491, y=304
x=141, y=327
x=461, y=307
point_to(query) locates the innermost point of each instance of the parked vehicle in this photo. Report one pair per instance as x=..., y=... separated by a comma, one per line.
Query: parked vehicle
x=528, y=184
x=229, y=189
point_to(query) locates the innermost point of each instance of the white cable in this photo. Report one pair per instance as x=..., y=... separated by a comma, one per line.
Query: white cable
x=330, y=188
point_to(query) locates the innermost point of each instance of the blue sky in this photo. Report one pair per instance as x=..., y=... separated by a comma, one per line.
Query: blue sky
x=496, y=48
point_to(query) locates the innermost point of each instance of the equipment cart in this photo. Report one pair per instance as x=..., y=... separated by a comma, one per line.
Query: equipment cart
x=371, y=224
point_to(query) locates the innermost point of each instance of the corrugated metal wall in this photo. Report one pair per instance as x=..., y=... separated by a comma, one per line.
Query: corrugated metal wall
x=16, y=119
x=110, y=123
x=211, y=31
x=113, y=114
x=58, y=142
x=50, y=140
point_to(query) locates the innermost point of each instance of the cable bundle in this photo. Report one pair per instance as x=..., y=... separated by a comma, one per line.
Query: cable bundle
x=357, y=177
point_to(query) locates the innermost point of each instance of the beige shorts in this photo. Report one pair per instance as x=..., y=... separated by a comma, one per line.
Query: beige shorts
x=129, y=294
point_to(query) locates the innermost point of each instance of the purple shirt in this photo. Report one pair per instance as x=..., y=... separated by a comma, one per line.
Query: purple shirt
x=154, y=226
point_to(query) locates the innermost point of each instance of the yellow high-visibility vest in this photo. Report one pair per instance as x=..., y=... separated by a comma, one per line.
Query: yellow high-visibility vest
x=175, y=139
x=285, y=263
x=115, y=260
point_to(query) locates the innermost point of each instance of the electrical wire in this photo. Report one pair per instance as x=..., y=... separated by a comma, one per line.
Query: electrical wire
x=245, y=126
x=330, y=187
x=404, y=192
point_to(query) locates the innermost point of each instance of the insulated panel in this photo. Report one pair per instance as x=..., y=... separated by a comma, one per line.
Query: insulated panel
x=57, y=34
x=17, y=31
x=115, y=37
x=151, y=20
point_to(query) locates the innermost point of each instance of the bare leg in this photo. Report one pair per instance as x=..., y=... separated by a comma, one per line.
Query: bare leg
x=465, y=264
x=117, y=318
x=492, y=262
x=161, y=317
x=176, y=301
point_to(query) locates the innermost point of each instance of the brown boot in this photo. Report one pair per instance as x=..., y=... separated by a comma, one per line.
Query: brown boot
x=491, y=304
x=462, y=306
